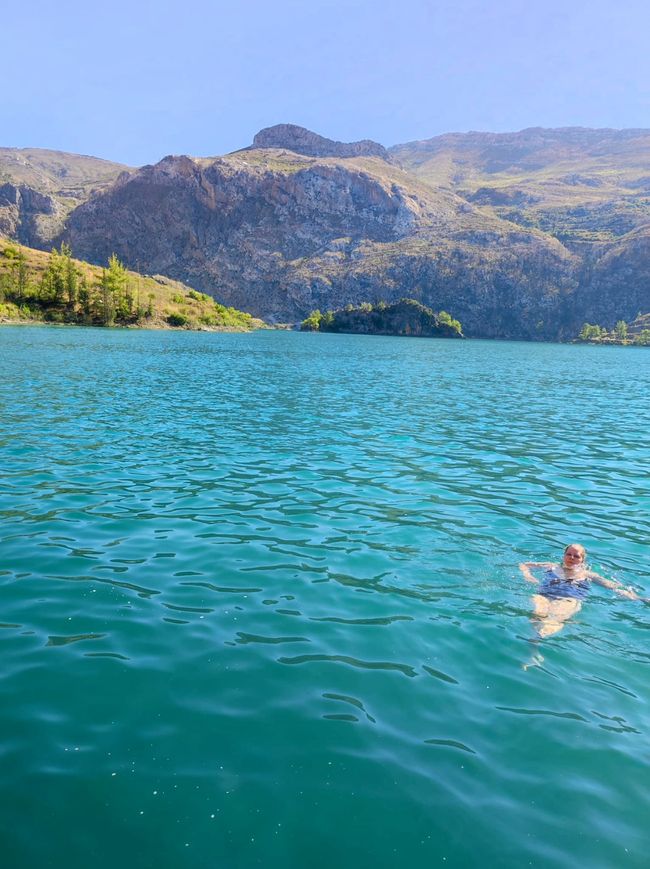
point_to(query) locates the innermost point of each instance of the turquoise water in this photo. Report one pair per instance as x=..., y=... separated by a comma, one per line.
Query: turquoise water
x=260, y=602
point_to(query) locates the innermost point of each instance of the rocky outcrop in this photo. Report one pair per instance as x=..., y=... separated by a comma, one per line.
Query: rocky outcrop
x=27, y=215
x=39, y=188
x=615, y=284
x=302, y=141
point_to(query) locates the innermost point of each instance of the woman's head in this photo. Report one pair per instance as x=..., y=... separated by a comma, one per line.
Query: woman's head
x=574, y=555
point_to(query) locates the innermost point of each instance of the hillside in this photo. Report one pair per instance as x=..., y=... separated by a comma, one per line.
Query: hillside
x=39, y=189
x=579, y=185
x=55, y=288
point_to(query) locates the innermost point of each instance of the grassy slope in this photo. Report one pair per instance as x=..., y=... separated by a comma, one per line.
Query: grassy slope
x=587, y=185
x=168, y=297
x=71, y=175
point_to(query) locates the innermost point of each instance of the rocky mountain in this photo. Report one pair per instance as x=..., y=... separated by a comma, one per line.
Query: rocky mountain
x=523, y=235
x=278, y=234
x=39, y=189
x=302, y=141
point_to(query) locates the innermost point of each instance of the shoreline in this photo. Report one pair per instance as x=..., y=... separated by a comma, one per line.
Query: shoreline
x=284, y=327
x=154, y=327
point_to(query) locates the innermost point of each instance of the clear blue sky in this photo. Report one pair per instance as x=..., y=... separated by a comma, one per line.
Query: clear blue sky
x=134, y=81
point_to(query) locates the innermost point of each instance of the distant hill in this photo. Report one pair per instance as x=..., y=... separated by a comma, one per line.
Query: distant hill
x=579, y=185
x=522, y=235
x=302, y=141
x=39, y=189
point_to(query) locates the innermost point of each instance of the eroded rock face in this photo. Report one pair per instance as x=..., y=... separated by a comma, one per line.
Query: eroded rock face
x=28, y=215
x=302, y=141
x=177, y=213
x=41, y=187
x=616, y=284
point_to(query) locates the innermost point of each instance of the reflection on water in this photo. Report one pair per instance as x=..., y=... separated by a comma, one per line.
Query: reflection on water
x=221, y=555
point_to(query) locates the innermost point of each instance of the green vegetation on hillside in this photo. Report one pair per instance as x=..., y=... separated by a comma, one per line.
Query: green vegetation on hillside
x=55, y=288
x=405, y=317
x=636, y=333
x=584, y=187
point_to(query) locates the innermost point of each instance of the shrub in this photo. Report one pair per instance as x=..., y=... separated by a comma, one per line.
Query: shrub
x=199, y=297
x=591, y=332
x=447, y=320
x=54, y=316
x=312, y=322
x=209, y=320
x=177, y=320
x=620, y=330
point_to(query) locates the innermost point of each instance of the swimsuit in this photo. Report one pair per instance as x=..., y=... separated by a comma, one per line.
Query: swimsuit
x=553, y=587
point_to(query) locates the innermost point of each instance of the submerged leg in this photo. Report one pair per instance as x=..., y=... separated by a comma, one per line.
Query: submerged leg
x=550, y=615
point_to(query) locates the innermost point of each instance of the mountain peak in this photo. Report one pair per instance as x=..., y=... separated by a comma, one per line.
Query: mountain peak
x=302, y=141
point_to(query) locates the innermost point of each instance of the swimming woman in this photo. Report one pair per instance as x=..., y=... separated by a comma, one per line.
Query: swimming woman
x=563, y=588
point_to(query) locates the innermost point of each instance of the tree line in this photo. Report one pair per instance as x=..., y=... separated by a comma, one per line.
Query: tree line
x=329, y=321
x=620, y=334
x=63, y=293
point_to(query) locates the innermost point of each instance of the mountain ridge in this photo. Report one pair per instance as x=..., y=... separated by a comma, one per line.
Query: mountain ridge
x=525, y=234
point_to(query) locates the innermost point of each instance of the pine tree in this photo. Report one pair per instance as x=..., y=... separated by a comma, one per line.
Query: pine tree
x=85, y=299
x=70, y=274
x=22, y=277
x=52, y=287
x=620, y=330
x=107, y=316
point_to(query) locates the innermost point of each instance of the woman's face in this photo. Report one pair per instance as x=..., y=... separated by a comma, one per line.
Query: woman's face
x=574, y=556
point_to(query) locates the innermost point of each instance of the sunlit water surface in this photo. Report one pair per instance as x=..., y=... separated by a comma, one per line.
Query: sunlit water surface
x=261, y=606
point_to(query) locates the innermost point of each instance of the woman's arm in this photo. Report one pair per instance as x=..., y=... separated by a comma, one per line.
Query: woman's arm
x=616, y=587
x=525, y=569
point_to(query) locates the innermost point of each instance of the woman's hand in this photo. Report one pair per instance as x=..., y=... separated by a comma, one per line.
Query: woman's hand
x=626, y=592
x=528, y=576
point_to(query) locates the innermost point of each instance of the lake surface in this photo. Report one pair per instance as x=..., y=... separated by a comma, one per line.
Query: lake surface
x=261, y=605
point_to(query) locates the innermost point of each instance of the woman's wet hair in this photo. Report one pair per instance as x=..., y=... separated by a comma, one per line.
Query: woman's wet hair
x=576, y=546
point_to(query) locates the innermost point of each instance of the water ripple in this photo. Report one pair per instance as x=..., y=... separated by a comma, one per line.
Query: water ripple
x=178, y=510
